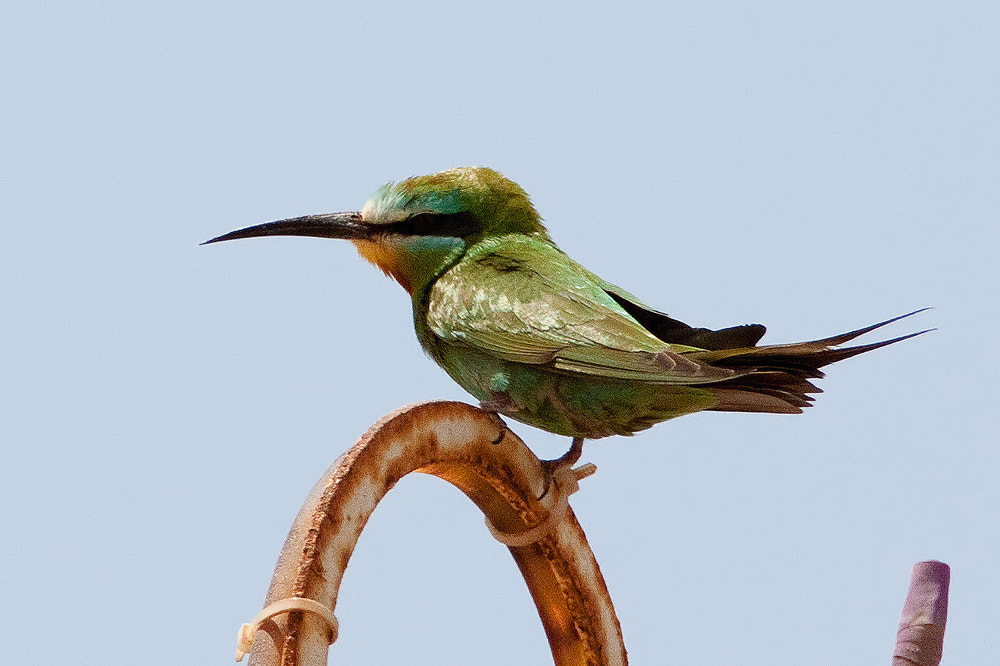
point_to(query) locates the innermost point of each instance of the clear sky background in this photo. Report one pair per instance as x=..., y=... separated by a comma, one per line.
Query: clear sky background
x=165, y=407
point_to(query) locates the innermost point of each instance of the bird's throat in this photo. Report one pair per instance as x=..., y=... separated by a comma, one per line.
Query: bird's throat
x=386, y=258
x=411, y=261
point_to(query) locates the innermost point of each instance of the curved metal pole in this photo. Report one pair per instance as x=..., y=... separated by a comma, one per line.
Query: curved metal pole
x=455, y=442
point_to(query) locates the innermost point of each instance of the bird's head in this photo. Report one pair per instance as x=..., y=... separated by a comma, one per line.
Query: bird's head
x=416, y=227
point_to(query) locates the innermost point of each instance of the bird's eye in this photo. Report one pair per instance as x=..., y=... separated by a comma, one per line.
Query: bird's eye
x=435, y=224
x=423, y=224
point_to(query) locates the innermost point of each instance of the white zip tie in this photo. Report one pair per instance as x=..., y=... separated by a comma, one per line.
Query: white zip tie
x=565, y=481
x=244, y=639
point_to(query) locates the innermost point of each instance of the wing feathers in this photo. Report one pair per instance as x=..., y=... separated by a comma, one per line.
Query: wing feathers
x=522, y=300
x=664, y=366
x=550, y=311
x=673, y=331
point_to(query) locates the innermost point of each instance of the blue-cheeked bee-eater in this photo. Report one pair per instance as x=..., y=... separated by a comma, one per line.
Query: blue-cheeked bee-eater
x=537, y=337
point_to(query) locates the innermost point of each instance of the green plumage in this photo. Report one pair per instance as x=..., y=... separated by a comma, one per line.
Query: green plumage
x=536, y=336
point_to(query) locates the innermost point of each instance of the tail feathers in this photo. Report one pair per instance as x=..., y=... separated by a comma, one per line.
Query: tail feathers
x=804, y=359
x=847, y=337
x=775, y=378
x=736, y=400
x=718, y=357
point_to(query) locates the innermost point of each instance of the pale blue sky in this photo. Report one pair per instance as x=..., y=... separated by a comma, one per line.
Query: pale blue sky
x=165, y=407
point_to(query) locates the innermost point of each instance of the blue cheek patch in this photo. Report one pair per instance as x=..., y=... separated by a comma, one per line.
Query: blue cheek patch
x=431, y=245
x=424, y=257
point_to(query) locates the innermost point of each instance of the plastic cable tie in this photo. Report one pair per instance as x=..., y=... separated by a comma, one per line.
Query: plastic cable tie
x=244, y=639
x=565, y=479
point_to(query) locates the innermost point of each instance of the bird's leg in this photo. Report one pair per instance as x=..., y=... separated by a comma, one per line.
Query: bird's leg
x=499, y=402
x=571, y=456
x=567, y=459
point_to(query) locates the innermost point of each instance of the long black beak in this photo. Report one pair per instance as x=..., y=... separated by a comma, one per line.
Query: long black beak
x=331, y=225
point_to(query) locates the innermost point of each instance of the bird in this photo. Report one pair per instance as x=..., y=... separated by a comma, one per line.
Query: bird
x=538, y=338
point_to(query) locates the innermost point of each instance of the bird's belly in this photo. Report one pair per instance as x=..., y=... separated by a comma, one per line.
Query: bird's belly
x=569, y=404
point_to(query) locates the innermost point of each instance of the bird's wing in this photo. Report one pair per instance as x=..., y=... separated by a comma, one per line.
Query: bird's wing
x=673, y=331
x=523, y=300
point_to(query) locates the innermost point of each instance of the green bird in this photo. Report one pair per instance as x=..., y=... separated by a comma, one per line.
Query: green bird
x=537, y=337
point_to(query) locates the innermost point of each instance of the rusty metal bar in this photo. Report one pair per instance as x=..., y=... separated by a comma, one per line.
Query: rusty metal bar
x=455, y=442
x=463, y=445
x=920, y=641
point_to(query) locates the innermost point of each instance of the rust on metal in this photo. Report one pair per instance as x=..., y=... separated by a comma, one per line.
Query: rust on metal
x=455, y=442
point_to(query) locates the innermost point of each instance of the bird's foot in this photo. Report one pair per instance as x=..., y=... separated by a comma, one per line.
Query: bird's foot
x=567, y=459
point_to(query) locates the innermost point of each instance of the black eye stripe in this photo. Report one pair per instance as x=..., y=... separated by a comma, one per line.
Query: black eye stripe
x=434, y=224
